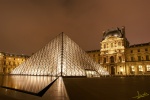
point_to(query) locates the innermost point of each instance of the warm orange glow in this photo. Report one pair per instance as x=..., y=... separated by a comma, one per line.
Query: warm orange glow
x=54, y=60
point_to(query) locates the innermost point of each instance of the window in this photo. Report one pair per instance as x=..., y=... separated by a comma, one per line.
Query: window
x=13, y=63
x=104, y=46
x=112, y=59
x=93, y=55
x=146, y=49
x=4, y=62
x=132, y=68
x=9, y=63
x=120, y=60
x=104, y=60
x=142, y=59
x=131, y=51
x=121, y=69
x=138, y=50
x=111, y=44
x=132, y=59
x=139, y=58
x=148, y=67
x=140, y=68
x=147, y=57
x=119, y=44
x=105, y=52
x=99, y=61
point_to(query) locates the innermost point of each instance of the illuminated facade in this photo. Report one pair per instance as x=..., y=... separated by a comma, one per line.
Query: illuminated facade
x=137, y=59
x=95, y=54
x=10, y=61
x=120, y=58
x=112, y=55
x=60, y=57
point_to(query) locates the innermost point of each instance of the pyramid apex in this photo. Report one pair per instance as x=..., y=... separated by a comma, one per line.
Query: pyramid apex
x=61, y=33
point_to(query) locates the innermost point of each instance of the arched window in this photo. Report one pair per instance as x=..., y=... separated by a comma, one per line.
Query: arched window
x=111, y=44
x=104, y=60
x=111, y=59
x=120, y=59
x=104, y=46
x=132, y=68
x=148, y=67
x=140, y=68
x=119, y=44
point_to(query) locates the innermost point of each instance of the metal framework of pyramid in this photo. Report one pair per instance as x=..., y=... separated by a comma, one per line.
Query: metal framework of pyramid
x=60, y=57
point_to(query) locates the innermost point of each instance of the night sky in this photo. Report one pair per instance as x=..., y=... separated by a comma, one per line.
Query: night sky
x=27, y=25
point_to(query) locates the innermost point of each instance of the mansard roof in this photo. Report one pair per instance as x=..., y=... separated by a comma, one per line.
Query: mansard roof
x=13, y=54
x=93, y=51
x=115, y=32
x=140, y=45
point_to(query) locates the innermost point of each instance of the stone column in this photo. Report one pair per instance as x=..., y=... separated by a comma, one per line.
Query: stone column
x=144, y=68
x=137, y=70
x=107, y=60
x=127, y=69
x=101, y=60
x=123, y=58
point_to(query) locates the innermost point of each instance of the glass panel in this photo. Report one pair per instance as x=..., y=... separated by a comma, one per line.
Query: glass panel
x=61, y=56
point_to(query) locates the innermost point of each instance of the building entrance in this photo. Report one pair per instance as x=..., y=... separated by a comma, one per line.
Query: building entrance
x=91, y=73
x=112, y=70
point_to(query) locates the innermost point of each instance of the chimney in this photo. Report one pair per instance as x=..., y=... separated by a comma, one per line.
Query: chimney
x=123, y=31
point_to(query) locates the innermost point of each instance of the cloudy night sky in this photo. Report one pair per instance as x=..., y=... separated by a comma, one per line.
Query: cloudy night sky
x=27, y=25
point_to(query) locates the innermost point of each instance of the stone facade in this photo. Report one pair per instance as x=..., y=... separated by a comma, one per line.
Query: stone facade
x=95, y=54
x=10, y=61
x=137, y=59
x=120, y=58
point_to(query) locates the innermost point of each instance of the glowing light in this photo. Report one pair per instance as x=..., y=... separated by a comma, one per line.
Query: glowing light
x=115, y=35
x=132, y=68
x=121, y=69
x=59, y=57
x=140, y=68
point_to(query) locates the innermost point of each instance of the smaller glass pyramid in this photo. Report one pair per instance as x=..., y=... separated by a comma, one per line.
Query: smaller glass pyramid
x=60, y=57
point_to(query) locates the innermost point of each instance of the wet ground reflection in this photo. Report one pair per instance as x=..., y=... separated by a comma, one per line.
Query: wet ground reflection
x=32, y=84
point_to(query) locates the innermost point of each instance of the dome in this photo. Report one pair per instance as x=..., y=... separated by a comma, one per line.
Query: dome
x=112, y=33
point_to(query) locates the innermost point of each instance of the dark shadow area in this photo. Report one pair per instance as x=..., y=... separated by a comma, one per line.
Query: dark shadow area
x=42, y=92
x=74, y=76
x=108, y=88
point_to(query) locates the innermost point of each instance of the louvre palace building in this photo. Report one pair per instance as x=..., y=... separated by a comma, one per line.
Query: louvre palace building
x=9, y=61
x=120, y=58
x=116, y=56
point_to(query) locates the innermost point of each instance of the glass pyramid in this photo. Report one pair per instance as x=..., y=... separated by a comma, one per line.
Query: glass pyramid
x=60, y=57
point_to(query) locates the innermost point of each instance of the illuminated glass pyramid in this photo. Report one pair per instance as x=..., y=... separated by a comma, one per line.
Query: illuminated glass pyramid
x=60, y=57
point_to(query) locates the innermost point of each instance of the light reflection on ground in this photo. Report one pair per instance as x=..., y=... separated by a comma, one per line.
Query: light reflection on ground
x=32, y=84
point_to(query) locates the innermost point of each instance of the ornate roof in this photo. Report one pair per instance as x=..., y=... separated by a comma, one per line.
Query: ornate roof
x=113, y=33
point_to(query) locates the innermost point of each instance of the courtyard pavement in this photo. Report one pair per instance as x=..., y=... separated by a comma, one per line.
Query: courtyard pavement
x=109, y=88
x=103, y=88
x=55, y=92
